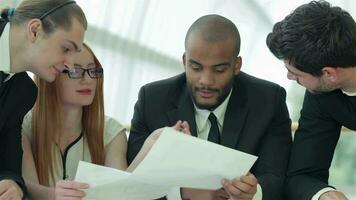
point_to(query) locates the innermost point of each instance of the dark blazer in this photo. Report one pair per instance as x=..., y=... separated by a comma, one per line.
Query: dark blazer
x=256, y=122
x=315, y=140
x=17, y=96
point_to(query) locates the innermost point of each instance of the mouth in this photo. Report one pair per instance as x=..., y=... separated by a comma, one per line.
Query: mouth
x=206, y=93
x=85, y=91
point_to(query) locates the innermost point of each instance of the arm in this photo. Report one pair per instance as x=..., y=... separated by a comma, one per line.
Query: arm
x=10, y=163
x=274, y=148
x=35, y=190
x=63, y=189
x=116, y=152
x=312, y=151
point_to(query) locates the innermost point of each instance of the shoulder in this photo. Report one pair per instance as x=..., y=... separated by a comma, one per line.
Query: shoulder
x=112, y=128
x=257, y=86
x=23, y=87
x=165, y=85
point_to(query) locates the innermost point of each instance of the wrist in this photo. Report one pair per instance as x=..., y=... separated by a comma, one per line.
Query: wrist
x=333, y=195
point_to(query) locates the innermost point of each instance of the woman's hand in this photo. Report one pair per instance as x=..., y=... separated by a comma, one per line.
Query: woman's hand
x=70, y=190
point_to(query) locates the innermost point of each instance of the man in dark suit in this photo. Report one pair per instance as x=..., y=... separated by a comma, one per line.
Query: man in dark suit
x=222, y=105
x=318, y=45
x=18, y=95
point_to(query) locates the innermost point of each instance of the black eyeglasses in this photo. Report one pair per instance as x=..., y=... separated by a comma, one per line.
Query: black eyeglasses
x=76, y=73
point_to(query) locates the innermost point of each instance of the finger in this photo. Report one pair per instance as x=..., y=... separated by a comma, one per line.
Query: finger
x=68, y=198
x=9, y=194
x=231, y=189
x=249, y=179
x=60, y=192
x=222, y=193
x=72, y=184
x=177, y=126
x=186, y=128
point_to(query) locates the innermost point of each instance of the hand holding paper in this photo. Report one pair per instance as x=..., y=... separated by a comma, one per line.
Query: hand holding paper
x=176, y=159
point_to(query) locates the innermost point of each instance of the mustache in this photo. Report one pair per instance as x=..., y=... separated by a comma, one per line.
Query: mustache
x=209, y=89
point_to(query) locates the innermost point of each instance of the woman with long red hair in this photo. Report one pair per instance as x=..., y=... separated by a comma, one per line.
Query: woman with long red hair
x=66, y=125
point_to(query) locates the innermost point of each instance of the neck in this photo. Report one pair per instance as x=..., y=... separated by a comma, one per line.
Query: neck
x=17, y=41
x=72, y=121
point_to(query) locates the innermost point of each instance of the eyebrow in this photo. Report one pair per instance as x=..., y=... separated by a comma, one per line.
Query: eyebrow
x=216, y=65
x=74, y=45
x=90, y=64
x=222, y=64
x=194, y=62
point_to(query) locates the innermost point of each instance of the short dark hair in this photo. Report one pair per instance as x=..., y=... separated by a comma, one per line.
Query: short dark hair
x=214, y=28
x=313, y=36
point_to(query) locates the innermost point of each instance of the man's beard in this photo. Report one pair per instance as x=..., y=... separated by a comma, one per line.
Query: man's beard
x=222, y=94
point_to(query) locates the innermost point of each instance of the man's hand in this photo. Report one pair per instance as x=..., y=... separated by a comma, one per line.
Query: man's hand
x=244, y=187
x=70, y=190
x=333, y=195
x=9, y=190
x=199, y=194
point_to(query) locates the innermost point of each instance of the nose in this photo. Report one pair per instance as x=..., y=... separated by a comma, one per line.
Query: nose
x=207, y=78
x=69, y=61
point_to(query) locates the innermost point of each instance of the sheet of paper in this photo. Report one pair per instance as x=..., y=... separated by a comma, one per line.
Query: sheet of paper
x=177, y=159
x=174, y=160
x=111, y=184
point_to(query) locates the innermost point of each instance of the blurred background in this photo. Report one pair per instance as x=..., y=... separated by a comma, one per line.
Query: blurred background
x=140, y=41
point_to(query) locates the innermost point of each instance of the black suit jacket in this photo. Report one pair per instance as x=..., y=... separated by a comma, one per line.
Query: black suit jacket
x=17, y=97
x=256, y=121
x=315, y=140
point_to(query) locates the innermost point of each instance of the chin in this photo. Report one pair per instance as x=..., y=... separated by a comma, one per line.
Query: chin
x=207, y=106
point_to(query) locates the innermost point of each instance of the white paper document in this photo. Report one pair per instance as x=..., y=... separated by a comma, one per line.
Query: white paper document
x=174, y=160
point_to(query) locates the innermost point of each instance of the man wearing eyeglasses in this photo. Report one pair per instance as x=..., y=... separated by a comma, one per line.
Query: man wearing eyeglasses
x=317, y=43
x=222, y=105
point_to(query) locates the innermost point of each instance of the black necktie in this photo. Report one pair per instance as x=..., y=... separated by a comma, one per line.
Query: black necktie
x=214, y=134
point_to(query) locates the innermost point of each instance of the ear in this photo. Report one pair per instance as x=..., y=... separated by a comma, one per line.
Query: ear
x=33, y=28
x=238, y=64
x=183, y=59
x=330, y=73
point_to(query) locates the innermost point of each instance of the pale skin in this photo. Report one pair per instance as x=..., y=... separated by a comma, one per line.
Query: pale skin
x=9, y=190
x=333, y=195
x=31, y=49
x=332, y=78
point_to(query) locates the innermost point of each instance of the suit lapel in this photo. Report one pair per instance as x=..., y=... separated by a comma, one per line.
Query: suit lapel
x=235, y=115
x=183, y=110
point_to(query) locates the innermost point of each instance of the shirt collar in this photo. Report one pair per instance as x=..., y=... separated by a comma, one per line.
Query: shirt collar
x=5, y=51
x=203, y=114
x=349, y=93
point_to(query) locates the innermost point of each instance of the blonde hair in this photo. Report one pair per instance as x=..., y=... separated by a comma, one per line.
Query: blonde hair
x=60, y=18
x=46, y=119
